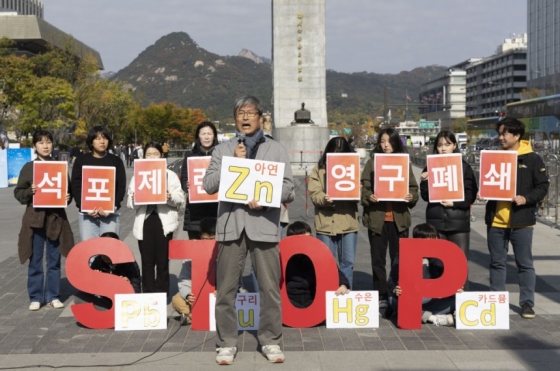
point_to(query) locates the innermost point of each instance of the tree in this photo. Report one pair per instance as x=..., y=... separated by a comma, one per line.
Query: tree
x=531, y=93
x=47, y=103
x=459, y=125
x=100, y=102
x=166, y=121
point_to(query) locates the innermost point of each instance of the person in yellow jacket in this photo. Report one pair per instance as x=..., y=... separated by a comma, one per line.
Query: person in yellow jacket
x=512, y=221
x=336, y=222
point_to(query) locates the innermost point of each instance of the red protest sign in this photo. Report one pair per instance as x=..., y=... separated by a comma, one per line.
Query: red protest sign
x=51, y=179
x=445, y=177
x=197, y=169
x=391, y=176
x=98, y=188
x=498, y=175
x=150, y=181
x=343, y=176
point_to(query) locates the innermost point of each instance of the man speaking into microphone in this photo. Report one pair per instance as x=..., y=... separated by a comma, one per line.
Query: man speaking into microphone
x=248, y=228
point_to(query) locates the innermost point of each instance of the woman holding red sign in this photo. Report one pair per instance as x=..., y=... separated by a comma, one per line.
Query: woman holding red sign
x=336, y=222
x=98, y=221
x=43, y=231
x=387, y=221
x=452, y=219
x=206, y=138
x=154, y=226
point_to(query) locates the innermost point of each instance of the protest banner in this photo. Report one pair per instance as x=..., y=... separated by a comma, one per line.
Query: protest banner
x=197, y=167
x=141, y=311
x=248, y=311
x=391, y=176
x=243, y=180
x=51, y=180
x=445, y=177
x=498, y=175
x=343, y=176
x=98, y=188
x=356, y=309
x=482, y=310
x=150, y=181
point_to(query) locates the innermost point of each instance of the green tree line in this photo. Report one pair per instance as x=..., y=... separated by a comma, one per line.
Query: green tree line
x=68, y=96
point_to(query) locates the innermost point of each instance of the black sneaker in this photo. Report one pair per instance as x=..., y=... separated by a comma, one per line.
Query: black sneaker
x=527, y=311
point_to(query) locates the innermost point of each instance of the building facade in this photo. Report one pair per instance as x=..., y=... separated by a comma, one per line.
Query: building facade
x=23, y=7
x=443, y=99
x=22, y=22
x=543, y=54
x=497, y=80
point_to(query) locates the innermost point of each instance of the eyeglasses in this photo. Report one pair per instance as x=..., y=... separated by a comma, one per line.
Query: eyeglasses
x=248, y=113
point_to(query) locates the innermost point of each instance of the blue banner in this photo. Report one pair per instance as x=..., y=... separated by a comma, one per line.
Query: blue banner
x=17, y=157
x=3, y=168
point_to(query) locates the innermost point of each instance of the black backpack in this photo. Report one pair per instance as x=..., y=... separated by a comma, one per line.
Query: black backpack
x=135, y=154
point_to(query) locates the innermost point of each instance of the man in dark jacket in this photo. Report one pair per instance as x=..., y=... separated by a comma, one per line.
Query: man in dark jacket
x=512, y=221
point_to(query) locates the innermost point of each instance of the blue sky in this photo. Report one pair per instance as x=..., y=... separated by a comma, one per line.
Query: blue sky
x=362, y=35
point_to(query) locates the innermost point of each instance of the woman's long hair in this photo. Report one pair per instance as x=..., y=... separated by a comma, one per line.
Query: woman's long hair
x=335, y=145
x=394, y=140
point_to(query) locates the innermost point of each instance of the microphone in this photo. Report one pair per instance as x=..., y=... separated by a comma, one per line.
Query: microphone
x=240, y=138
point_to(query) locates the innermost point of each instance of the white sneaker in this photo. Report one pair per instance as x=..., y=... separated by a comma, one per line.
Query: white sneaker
x=57, y=304
x=273, y=353
x=226, y=355
x=444, y=320
x=35, y=305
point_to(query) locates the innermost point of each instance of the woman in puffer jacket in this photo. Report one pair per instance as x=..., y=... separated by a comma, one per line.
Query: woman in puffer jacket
x=154, y=226
x=451, y=218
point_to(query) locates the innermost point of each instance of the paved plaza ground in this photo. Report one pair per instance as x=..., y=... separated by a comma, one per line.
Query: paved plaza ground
x=51, y=337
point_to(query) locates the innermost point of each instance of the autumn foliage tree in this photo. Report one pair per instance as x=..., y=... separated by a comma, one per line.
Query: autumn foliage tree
x=166, y=122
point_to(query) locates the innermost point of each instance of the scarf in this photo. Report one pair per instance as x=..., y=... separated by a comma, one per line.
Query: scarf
x=252, y=143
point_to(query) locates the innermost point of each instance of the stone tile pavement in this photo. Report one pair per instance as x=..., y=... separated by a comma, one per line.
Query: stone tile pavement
x=35, y=337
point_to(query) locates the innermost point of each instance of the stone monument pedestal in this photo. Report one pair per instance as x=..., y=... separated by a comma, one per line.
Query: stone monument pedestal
x=304, y=143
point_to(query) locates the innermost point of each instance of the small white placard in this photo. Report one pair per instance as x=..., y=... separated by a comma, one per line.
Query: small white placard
x=243, y=180
x=356, y=309
x=248, y=307
x=483, y=310
x=141, y=311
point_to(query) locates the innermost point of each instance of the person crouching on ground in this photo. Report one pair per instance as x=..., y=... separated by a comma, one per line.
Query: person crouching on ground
x=301, y=281
x=436, y=311
x=127, y=271
x=184, y=300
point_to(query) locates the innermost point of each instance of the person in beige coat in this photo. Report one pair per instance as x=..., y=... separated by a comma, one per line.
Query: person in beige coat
x=336, y=222
x=154, y=226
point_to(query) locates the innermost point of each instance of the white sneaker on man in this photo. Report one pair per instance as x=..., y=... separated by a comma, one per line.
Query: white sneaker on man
x=35, y=305
x=226, y=355
x=273, y=353
x=57, y=304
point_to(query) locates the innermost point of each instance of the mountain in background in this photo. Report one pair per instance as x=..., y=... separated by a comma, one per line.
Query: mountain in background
x=176, y=69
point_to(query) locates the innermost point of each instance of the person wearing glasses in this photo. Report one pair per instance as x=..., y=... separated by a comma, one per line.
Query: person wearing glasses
x=154, y=226
x=248, y=227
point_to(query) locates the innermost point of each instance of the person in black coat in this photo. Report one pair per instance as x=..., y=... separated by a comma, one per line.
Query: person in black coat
x=301, y=282
x=128, y=271
x=206, y=138
x=451, y=218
